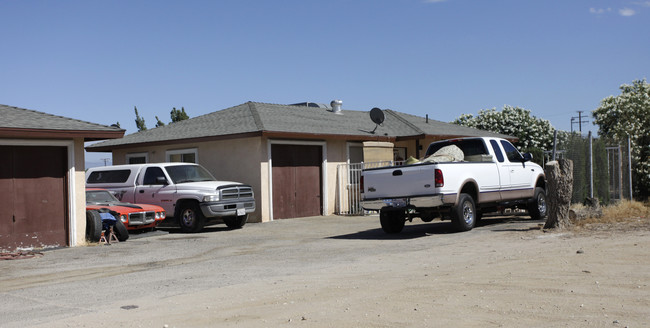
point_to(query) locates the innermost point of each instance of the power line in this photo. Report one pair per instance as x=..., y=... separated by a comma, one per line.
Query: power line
x=579, y=122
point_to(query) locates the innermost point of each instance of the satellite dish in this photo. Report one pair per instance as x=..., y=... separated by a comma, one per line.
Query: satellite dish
x=377, y=116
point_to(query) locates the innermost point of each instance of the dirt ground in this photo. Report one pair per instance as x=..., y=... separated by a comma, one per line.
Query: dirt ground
x=344, y=272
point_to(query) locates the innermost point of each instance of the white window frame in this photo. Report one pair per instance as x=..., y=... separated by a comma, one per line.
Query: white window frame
x=347, y=148
x=195, y=151
x=132, y=155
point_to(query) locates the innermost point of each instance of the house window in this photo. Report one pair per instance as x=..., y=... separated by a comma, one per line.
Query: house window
x=137, y=158
x=183, y=155
x=399, y=154
x=355, y=153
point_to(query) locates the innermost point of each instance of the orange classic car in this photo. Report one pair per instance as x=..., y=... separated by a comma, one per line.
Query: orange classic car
x=131, y=216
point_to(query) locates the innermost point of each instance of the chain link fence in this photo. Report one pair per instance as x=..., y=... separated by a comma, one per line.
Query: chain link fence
x=601, y=169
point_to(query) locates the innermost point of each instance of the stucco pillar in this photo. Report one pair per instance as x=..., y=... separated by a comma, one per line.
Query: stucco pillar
x=375, y=151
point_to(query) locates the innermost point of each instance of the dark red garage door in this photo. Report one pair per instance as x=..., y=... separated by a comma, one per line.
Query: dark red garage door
x=296, y=181
x=33, y=205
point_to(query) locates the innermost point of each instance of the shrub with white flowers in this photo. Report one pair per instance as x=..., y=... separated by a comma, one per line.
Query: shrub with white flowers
x=629, y=114
x=533, y=133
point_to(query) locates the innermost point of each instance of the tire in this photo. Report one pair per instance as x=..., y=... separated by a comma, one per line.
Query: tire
x=190, y=218
x=479, y=215
x=93, y=226
x=463, y=215
x=120, y=231
x=236, y=222
x=537, y=207
x=392, y=221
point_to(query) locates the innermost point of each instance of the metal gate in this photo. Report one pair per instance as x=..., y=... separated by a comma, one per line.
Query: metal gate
x=348, y=192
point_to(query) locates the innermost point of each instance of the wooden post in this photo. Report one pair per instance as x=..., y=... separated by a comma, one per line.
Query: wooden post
x=559, y=175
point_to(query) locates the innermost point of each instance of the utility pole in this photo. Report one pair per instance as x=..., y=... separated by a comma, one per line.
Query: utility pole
x=580, y=121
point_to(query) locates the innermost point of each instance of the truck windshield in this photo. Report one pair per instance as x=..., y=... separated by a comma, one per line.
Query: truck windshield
x=189, y=173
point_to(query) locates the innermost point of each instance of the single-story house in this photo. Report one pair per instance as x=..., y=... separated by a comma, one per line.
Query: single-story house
x=42, y=183
x=288, y=153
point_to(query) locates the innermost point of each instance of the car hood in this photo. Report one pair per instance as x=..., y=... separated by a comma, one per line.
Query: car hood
x=205, y=185
x=124, y=207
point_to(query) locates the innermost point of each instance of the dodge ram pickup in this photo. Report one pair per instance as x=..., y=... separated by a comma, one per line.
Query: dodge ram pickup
x=458, y=179
x=187, y=192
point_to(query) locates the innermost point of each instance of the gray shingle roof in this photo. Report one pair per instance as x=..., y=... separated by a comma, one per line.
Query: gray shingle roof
x=252, y=117
x=21, y=118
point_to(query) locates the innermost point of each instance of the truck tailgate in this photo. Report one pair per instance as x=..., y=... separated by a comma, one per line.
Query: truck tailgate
x=399, y=181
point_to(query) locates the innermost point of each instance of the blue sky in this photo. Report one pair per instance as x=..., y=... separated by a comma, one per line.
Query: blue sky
x=96, y=60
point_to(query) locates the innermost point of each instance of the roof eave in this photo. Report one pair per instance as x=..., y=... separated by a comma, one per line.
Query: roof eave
x=87, y=135
x=267, y=134
x=108, y=148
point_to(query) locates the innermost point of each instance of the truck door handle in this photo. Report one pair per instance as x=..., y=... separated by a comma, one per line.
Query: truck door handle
x=142, y=191
x=397, y=172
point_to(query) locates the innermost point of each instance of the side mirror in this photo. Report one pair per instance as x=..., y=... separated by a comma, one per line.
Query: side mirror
x=161, y=181
x=528, y=157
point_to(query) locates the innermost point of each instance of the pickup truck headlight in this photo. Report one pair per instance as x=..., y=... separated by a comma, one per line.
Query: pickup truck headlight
x=211, y=198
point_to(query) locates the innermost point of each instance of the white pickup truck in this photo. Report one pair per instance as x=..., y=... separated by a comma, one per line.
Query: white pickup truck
x=458, y=179
x=186, y=191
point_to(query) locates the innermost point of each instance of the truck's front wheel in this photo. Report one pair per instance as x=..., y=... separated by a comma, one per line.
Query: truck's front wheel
x=537, y=206
x=392, y=221
x=190, y=217
x=463, y=215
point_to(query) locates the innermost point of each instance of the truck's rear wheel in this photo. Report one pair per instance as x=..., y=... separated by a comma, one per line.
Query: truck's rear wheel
x=537, y=206
x=190, y=218
x=236, y=222
x=463, y=215
x=392, y=221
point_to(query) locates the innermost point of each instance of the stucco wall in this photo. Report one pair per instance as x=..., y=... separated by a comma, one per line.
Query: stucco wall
x=79, y=169
x=230, y=160
x=246, y=160
x=337, y=153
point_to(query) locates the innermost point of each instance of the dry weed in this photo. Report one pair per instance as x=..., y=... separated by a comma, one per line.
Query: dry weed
x=624, y=215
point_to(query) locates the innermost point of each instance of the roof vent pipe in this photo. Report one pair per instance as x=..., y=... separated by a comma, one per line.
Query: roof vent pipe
x=336, y=106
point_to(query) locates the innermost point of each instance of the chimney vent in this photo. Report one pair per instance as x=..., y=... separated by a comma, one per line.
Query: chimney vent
x=336, y=106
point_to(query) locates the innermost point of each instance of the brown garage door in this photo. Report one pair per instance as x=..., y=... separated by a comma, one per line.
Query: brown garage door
x=296, y=181
x=33, y=206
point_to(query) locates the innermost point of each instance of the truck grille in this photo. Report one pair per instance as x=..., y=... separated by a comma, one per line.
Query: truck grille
x=236, y=192
x=142, y=218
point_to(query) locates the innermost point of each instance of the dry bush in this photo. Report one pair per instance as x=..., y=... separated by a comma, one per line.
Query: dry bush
x=632, y=213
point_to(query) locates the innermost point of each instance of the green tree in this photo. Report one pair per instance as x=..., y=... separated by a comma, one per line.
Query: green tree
x=535, y=134
x=159, y=122
x=139, y=121
x=628, y=114
x=178, y=115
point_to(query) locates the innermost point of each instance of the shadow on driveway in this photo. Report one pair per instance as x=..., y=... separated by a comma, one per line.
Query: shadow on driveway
x=437, y=227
